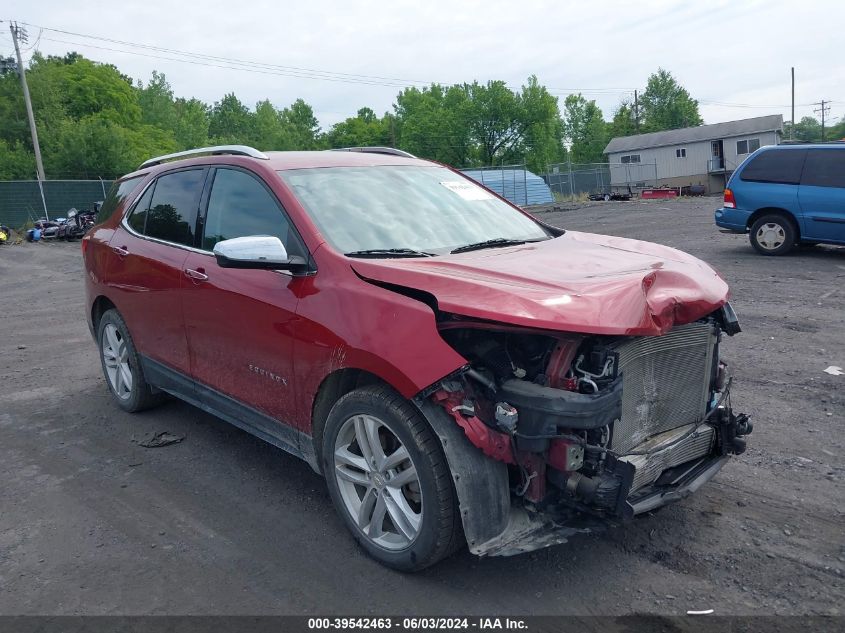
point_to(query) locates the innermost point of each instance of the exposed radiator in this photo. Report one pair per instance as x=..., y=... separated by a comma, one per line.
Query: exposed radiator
x=665, y=382
x=651, y=465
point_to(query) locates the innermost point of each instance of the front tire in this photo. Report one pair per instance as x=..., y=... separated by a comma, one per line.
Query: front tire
x=773, y=234
x=389, y=480
x=122, y=365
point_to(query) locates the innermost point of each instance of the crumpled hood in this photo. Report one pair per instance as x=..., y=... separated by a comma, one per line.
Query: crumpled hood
x=578, y=282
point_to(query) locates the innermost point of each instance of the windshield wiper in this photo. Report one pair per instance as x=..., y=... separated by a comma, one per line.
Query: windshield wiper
x=389, y=252
x=496, y=241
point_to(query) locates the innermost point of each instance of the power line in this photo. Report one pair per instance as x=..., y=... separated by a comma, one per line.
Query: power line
x=317, y=73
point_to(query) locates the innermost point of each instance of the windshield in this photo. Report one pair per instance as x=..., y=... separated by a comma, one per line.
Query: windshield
x=426, y=209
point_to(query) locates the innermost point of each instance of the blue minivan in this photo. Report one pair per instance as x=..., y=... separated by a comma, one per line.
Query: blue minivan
x=785, y=195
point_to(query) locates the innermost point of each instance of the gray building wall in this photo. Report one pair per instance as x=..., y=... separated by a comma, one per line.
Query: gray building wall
x=693, y=169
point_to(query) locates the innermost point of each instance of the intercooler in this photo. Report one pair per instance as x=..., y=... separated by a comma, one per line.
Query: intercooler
x=665, y=385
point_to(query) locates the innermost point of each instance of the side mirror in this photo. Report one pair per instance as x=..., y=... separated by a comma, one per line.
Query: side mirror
x=257, y=251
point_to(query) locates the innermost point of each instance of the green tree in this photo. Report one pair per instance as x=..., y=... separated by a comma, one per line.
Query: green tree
x=268, y=128
x=156, y=101
x=666, y=105
x=16, y=161
x=807, y=129
x=584, y=128
x=623, y=123
x=365, y=129
x=301, y=128
x=191, y=128
x=543, y=134
x=230, y=121
x=433, y=122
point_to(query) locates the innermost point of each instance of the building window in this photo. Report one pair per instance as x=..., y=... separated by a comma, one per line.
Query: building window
x=747, y=146
x=681, y=152
x=631, y=158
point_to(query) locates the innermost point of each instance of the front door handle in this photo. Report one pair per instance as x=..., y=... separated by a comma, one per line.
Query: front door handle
x=120, y=250
x=196, y=275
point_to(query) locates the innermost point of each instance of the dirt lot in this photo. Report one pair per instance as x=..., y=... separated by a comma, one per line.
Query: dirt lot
x=91, y=523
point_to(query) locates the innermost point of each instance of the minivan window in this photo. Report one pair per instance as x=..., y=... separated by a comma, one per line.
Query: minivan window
x=173, y=210
x=239, y=205
x=777, y=166
x=824, y=168
x=138, y=219
x=117, y=194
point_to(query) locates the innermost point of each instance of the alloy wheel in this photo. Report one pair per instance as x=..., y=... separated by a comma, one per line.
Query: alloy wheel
x=378, y=482
x=116, y=360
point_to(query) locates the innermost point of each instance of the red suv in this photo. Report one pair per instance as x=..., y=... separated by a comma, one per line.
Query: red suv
x=460, y=372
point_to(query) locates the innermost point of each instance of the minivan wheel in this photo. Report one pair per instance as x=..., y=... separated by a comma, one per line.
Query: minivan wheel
x=773, y=234
x=122, y=366
x=389, y=480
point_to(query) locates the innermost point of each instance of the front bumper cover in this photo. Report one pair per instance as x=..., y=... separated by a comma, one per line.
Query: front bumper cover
x=531, y=528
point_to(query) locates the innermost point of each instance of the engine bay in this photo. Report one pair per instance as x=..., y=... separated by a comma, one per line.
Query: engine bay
x=593, y=421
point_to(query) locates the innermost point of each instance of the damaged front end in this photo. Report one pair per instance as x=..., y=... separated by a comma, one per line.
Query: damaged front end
x=584, y=429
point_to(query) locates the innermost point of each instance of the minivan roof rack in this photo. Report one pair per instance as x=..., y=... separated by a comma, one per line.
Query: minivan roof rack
x=392, y=151
x=235, y=150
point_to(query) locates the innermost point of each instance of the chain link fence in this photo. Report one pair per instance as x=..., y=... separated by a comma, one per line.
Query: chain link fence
x=21, y=200
x=574, y=179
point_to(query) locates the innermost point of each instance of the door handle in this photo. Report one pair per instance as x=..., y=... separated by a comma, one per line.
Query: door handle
x=197, y=275
x=120, y=250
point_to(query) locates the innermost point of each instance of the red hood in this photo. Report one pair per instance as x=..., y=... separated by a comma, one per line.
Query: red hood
x=579, y=282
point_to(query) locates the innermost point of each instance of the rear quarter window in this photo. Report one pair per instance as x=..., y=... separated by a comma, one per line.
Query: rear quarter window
x=778, y=166
x=117, y=194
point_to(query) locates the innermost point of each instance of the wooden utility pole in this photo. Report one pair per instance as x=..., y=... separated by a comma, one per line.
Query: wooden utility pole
x=822, y=110
x=20, y=34
x=792, y=127
x=636, y=113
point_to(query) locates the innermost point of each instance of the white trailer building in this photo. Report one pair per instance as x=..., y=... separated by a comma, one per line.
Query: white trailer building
x=704, y=155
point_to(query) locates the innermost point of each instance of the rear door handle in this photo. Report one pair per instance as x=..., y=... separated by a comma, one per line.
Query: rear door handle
x=120, y=250
x=197, y=275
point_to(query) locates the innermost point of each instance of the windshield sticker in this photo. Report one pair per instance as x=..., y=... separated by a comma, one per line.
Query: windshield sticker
x=467, y=190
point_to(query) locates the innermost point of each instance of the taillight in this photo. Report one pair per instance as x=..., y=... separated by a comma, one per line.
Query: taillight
x=85, y=244
x=730, y=202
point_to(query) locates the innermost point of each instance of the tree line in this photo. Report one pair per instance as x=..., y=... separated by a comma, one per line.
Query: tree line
x=93, y=121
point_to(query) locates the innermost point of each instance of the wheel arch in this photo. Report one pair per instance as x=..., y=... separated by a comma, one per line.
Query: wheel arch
x=99, y=307
x=334, y=386
x=789, y=215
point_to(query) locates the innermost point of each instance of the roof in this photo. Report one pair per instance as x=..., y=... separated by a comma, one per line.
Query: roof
x=710, y=132
x=292, y=160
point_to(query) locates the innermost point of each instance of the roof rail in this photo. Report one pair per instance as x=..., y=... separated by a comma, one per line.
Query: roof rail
x=392, y=151
x=235, y=150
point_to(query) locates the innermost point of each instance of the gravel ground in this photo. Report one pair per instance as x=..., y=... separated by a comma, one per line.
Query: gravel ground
x=92, y=523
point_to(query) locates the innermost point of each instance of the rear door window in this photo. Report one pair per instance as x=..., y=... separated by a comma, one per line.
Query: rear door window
x=824, y=168
x=117, y=194
x=173, y=208
x=778, y=166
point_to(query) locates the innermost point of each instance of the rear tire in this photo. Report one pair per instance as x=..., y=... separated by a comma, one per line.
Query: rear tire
x=122, y=365
x=389, y=480
x=773, y=234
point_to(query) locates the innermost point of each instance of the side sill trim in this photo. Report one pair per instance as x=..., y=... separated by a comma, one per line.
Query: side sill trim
x=232, y=411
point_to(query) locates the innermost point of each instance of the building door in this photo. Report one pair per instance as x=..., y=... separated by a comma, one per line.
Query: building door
x=718, y=154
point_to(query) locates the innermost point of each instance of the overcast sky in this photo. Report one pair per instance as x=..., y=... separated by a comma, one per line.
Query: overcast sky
x=733, y=56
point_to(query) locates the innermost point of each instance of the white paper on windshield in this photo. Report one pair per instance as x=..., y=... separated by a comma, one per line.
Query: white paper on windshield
x=467, y=190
